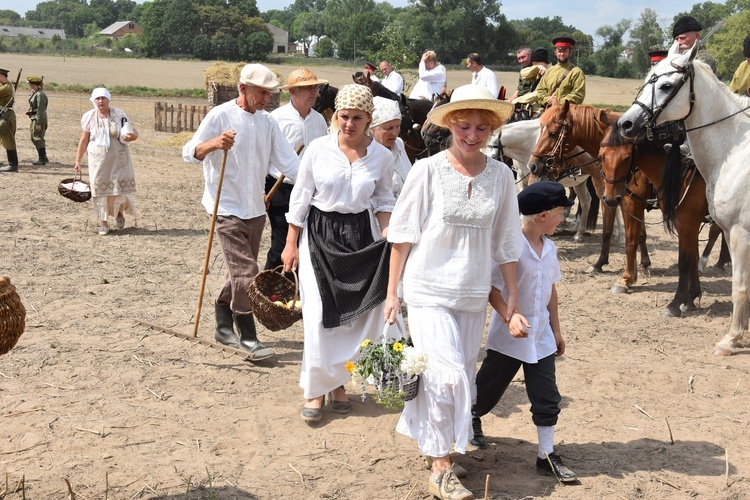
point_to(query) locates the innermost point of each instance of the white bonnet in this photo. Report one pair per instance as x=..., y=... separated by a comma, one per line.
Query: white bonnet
x=100, y=92
x=385, y=111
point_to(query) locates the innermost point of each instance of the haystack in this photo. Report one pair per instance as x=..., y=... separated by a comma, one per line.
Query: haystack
x=221, y=82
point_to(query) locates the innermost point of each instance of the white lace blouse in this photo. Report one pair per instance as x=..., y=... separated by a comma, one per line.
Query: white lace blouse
x=455, y=236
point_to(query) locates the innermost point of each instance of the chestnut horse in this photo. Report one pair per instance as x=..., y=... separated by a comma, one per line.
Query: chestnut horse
x=565, y=126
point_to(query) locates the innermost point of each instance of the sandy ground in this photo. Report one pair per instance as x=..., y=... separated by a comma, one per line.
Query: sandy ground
x=123, y=412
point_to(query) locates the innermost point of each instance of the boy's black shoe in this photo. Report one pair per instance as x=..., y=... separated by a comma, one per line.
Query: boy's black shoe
x=478, y=439
x=553, y=466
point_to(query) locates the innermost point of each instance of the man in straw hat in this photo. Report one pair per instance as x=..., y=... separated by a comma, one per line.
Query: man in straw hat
x=741, y=80
x=38, y=114
x=252, y=141
x=300, y=124
x=8, y=122
x=456, y=218
x=564, y=81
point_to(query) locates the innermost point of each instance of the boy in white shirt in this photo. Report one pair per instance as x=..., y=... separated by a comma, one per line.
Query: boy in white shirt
x=532, y=339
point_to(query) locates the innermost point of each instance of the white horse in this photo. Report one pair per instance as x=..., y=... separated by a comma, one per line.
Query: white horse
x=718, y=133
x=517, y=140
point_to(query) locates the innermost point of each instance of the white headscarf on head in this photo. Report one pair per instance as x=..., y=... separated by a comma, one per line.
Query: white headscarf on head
x=102, y=127
x=385, y=111
x=100, y=92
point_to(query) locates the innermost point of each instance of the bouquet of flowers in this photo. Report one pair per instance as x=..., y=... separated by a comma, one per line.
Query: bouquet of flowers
x=393, y=366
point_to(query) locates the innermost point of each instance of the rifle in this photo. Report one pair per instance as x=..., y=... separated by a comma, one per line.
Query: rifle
x=15, y=87
x=18, y=78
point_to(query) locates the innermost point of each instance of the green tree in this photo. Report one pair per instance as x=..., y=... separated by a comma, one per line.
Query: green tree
x=726, y=44
x=308, y=26
x=259, y=44
x=351, y=24
x=706, y=13
x=607, y=57
x=9, y=17
x=324, y=47
x=645, y=36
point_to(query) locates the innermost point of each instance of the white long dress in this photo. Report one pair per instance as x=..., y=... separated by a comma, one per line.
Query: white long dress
x=446, y=279
x=329, y=182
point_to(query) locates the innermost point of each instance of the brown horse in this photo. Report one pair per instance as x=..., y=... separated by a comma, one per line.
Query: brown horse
x=586, y=126
x=554, y=157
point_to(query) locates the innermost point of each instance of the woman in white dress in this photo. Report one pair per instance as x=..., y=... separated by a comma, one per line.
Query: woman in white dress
x=106, y=133
x=344, y=178
x=385, y=127
x=457, y=213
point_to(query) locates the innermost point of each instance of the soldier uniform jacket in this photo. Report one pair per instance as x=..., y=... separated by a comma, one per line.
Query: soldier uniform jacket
x=572, y=88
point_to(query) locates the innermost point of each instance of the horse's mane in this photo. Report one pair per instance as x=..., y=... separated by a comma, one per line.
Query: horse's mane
x=587, y=120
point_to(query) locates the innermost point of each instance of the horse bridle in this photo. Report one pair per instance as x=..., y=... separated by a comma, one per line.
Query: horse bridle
x=558, y=151
x=688, y=73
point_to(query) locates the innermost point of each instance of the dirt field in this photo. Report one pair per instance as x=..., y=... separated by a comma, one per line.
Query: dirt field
x=189, y=74
x=123, y=412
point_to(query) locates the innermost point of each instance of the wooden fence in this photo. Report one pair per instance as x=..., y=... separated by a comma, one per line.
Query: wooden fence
x=177, y=118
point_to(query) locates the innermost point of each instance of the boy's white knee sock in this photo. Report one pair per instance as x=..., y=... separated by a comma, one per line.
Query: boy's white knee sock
x=546, y=436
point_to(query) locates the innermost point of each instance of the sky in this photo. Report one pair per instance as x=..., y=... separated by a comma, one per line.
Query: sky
x=586, y=15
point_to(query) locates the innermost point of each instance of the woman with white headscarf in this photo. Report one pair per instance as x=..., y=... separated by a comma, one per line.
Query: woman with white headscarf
x=385, y=127
x=106, y=133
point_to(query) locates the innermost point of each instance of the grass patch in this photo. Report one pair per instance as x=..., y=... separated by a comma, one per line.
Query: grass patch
x=129, y=90
x=617, y=108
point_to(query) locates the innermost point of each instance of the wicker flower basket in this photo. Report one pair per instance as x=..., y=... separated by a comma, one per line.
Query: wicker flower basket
x=270, y=314
x=75, y=189
x=410, y=387
x=12, y=316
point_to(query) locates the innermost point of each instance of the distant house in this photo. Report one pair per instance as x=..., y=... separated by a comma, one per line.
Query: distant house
x=120, y=29
x=626, y=55
x=280, y=39
x=16, y=31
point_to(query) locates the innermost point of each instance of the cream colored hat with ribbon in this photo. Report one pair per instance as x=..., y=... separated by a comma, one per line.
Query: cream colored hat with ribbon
x=385, y=111
x=471, y=97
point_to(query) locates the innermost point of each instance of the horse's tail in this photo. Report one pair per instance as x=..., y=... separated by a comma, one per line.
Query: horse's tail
x=671, y=187
x=593, y=214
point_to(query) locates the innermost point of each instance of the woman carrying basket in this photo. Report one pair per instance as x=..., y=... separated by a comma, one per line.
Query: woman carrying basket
x=105, y=137
x=456, y=214
x=343, y=179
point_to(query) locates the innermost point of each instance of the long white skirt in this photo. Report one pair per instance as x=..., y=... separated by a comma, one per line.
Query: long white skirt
x=440, y=416
x=327, y=350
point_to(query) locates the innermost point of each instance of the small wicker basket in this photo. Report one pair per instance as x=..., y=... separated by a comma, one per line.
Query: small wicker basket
x=75, y=189
x=12, y=316
x=271, y=315
x=410, y=387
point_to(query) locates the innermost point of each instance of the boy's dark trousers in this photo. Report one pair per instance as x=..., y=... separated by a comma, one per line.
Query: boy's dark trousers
x=497, y=372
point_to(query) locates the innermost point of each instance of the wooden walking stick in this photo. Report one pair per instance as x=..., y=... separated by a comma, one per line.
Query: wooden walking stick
x=277, y=184
x=210, y=242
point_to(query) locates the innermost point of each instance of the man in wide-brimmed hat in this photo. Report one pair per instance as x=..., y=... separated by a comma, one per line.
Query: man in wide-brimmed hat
x=300, y=124
x=564, y=81
x=8, y=122
x=741, y=80
x=252, y=141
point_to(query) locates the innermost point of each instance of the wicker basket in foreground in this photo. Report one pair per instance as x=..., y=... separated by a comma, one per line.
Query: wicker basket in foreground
x=411, y=387
x=12, y=316
x=74, y=189
x=271, y=315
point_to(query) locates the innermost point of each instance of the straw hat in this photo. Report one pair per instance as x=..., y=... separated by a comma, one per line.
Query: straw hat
x=471, y=97
x=302, y=77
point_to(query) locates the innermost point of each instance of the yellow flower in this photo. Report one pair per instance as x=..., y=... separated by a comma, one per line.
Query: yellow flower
x=365, y=343
x=350, y=366
x=398, y=347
